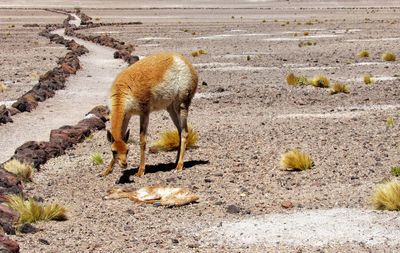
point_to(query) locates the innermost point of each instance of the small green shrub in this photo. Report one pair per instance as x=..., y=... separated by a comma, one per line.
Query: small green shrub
x=97, y=158
x=395, y=171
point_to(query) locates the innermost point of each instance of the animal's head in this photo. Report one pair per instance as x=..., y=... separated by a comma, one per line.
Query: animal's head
x=119, y=148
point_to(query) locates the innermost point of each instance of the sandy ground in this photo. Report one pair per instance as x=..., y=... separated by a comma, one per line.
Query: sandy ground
x=247, y=116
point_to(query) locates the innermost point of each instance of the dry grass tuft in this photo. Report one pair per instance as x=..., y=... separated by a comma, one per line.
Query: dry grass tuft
x=22, y=171
x=339, y=88
x=320, y=81
x=3, y=87
x=389, y=56
x=386, y=196
x=97, y=158
x=292, y=79
x=296, y=160
x=30, y=211
x=390, y=121
x=307, y=43
x=169, y=140
x=363, y=54
x=198, y=52
x=368, y=79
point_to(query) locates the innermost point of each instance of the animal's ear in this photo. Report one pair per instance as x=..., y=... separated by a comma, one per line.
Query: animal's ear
x=126, y=137
x=110, y=138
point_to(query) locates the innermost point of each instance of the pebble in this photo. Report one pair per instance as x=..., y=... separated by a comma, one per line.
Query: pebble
x=287, y=204
x=232, y=209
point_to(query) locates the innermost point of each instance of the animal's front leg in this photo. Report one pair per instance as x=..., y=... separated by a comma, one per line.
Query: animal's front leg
x=144, y=122
x=109, y=169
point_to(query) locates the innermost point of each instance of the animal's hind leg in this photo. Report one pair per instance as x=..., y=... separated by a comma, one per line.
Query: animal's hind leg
x=184, y=135
x=144, y=122
x=177, y=122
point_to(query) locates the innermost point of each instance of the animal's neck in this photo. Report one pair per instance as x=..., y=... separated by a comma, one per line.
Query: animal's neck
x=119, y=119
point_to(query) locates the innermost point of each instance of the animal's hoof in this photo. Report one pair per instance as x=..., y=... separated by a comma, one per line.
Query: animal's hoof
x=103, y=174
x=139, y=174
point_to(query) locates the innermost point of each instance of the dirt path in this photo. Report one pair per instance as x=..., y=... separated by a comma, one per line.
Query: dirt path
x=88, y=88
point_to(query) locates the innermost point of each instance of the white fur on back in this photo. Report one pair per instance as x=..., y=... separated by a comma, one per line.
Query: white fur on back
x=176, y=83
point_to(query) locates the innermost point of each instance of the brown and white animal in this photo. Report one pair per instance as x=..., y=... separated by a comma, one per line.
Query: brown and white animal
x=161, y=81
x=164, y=195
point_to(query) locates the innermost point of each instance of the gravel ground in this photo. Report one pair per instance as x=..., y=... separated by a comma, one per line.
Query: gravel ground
x=246, y=117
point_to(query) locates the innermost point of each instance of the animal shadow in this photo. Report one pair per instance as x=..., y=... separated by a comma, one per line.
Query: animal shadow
x=163, y=167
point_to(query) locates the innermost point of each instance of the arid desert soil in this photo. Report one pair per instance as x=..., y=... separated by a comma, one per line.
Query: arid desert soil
x=246, y=117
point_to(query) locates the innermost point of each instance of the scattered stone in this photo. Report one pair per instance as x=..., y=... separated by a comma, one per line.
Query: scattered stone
x=44, y=241
x=153, y=150
x=132, y=59
x=5, y=115
x=233, y=209
x=27, y=228
x=8, y=217
x=101, y=112
x=8, y=246
x=204, y=83
x=287, y=204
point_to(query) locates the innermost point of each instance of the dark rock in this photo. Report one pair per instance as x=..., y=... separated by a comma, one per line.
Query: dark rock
x=31, y=152
x=132, y=59
x=68, y=69
x=8, y=217
x=5, y=115
x=232, y=209
x=25, y=103
x=13, y=111
x=92, y=123
x=101, y=112
x=8, y=246
x=9, y=184
x=30, y=25
x=67, y=136
x=44, y=241
x=27, y=228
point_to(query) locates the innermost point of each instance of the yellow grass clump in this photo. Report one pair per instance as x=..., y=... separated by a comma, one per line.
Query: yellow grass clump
x=386, y=196
x=296, y=160
x=368, y=79
x=390, y=121
x=320, y=81
x=363, y=54
x=30, y=211
x=292, y=79
x=3, y=87
x=198, y=52
x=389, y=56
x=306, y=33
x=339, y=88
x=22, y=171
x=169, y=140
